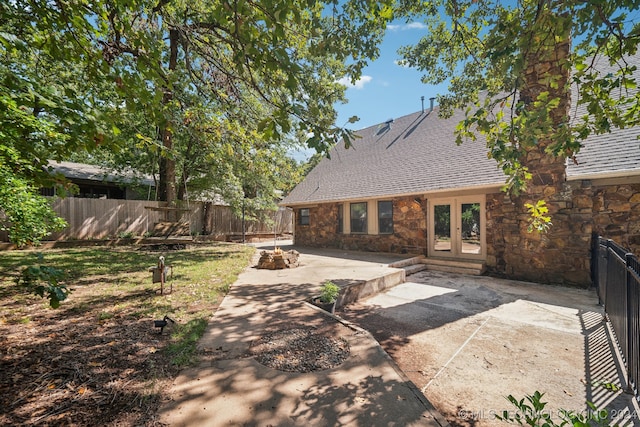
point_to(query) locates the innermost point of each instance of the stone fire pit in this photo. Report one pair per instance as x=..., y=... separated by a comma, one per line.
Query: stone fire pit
x=278, y=259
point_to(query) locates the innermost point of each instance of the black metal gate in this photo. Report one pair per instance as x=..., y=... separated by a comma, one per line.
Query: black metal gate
x=616, y=274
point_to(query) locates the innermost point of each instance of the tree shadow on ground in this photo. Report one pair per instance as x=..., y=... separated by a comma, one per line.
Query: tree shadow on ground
x=441, y=300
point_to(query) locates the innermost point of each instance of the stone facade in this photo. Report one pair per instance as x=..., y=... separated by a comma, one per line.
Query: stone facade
x=563, y=254
x=409, y=229
x=578, y=209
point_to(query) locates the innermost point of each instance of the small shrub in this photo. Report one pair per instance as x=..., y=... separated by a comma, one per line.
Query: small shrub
x=126, y=235
x=329, y=292
x=44, y=281
x=530, y=412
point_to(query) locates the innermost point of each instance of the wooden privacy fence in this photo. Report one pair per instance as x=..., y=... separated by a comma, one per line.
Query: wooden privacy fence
x=108, y=218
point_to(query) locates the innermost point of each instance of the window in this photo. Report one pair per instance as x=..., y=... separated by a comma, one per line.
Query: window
x=359, y=217
x=340, y=219
x=385, y=217
x=304, y=216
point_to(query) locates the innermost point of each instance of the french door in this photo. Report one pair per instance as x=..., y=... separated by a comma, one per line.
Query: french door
x=456, y=227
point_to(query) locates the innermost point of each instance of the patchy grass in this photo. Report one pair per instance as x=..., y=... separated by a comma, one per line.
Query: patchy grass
x=98, y=359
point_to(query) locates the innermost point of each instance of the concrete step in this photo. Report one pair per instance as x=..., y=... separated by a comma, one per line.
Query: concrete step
x=414, y=268
x=407, y=262
x=474, y=268
x=365, y=288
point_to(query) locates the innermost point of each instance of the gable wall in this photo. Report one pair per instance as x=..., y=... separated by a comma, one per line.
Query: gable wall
x=409, y=229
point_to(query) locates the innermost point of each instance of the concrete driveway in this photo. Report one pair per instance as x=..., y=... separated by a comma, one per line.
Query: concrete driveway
x=467, y=342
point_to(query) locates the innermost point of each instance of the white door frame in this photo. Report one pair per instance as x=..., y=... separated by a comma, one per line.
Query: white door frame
x=456, y=248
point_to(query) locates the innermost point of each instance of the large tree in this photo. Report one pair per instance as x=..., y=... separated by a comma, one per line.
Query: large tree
x=75, y=73
x=514, y=63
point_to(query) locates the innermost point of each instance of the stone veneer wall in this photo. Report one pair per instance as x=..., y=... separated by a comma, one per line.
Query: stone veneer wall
x=563, y=254
x=409, y=229
x=616, y=210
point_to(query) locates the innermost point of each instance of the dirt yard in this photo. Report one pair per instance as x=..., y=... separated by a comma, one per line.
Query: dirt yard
x=67, y=367
x=99, y=359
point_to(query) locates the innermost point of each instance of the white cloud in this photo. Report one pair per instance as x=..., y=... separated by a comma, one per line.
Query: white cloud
x=407, y=26
x=359, y=84
x=415, y=26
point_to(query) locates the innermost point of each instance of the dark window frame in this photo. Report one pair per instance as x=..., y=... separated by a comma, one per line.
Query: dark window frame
x=363, y=221
x=385, y=225
x=340, y=228
x=304, y=219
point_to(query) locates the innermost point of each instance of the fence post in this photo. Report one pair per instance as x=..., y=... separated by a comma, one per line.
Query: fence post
x=633, y=312
x=595, y=252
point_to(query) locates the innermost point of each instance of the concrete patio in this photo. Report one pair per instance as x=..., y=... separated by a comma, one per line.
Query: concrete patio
x=458, y=344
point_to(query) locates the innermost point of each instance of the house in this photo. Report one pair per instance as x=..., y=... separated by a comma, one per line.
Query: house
x=406, y=187
x=99, y=183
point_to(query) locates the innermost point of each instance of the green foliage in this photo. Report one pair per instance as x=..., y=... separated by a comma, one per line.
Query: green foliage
x=28, y=216
x=486, y=51
x=126, y=235
x=329, y=292
x=538, y=221
x=44, y=281
x=531, y=411
x=196, y=92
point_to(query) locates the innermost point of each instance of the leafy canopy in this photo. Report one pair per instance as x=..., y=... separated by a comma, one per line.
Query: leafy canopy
x=487, y=50
x=175, y=85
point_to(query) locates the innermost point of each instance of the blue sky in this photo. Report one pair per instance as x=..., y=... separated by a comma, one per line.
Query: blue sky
x=386, y=90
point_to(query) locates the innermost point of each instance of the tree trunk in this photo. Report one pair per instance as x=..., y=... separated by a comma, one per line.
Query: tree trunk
x=167, y=163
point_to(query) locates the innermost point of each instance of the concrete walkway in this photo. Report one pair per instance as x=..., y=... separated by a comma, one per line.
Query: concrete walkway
x=464, y=342
x=228, y=388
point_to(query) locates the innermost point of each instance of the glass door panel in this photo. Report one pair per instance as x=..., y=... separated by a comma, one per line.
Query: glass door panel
x=456, y=227
x=470, y=228
x=442, y=227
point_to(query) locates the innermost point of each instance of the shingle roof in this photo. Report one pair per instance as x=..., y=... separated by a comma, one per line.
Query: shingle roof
x=95, y=173
x=610, y=154
x=414, y=154
x=417, y=154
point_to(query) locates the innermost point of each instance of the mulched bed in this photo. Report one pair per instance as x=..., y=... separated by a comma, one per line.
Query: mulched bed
x=299, y=350
x=66, y=367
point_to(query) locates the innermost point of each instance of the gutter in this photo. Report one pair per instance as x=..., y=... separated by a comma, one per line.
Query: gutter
x=625, y=173
x=488, y=188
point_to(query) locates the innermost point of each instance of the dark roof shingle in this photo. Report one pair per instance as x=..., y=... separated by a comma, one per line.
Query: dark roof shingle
x=417, y=154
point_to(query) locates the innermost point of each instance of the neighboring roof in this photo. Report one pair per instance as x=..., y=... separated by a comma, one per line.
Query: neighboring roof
x=417, y=154
x=96, y=173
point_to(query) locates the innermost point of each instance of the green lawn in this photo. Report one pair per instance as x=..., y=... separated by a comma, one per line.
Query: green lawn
x=110, y=283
